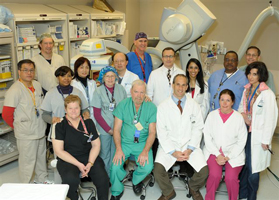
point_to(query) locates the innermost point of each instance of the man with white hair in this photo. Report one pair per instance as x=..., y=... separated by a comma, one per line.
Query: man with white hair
x=134, y=134
x=47, y=62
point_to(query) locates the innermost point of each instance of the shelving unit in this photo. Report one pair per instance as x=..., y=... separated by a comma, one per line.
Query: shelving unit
x=29, y=23
x=7, y=54
x=114, y=23
x=78, y=27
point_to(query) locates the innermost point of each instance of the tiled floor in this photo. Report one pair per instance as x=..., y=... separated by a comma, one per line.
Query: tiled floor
x=269, y=186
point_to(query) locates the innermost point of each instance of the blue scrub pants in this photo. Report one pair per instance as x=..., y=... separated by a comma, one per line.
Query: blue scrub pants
x=117, y=172
x=249, y=183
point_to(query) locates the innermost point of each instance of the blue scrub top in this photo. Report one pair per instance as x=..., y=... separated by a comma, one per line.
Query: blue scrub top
x=134, y=65
x=235, y=83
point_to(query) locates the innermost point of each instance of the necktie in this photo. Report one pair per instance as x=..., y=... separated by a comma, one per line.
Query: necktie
x=119, y=80
x=179, y=106
x=169, y=76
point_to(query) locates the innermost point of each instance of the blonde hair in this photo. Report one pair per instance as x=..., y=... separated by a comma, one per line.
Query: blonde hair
x=71, y=99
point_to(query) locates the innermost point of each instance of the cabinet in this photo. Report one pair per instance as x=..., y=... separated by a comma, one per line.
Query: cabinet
x=78, y=27
x=32, y=20
x=105, y=25
x=8, y=74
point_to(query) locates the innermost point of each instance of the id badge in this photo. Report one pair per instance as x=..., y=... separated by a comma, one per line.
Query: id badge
x=90, y=138
x=111, y=106
x=138, y=126
x=212, y=106
x=37, y=112
x=136, y=136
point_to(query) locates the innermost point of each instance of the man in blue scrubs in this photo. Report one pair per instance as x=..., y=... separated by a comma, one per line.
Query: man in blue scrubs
x=228, y=78
x=140, y=62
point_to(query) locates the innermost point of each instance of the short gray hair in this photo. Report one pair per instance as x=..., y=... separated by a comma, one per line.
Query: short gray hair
x=138, y=82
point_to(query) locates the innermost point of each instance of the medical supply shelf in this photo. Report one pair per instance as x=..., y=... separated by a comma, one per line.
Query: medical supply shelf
x=32, y=21
x=106, y=22
x=7, y=53
x=78, y=27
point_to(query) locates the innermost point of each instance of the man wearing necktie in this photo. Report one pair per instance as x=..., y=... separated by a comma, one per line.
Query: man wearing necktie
x=159, y=84
x=179, y=131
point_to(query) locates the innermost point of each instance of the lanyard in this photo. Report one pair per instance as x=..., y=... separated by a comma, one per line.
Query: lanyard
x=82, y=122
x=249, y=100
x=142, y=69
x=86, y=92
x=112, y=94
x=222, y=82
x=60, y=91
x=32, y=95
x=136, y=117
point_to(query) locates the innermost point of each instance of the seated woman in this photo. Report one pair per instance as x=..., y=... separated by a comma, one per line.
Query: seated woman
x=225, y=137
x=53, y=103
x=77, y=145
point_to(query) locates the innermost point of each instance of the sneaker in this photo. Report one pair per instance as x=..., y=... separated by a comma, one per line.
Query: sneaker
x=138, y=188
x=45, y=182
x=116, y=197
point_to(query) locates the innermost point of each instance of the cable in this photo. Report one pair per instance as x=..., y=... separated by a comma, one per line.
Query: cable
x=271, y=179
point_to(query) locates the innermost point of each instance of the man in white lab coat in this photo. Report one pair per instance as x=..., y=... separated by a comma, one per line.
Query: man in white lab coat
x=179, y=130
x=47, y=62
x=159, y=83
x=125, y=77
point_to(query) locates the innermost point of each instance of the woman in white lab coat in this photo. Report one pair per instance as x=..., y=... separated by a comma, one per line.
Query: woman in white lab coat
x=198, y=87
x=82, y=82
x=225, y=137
x=259, y=110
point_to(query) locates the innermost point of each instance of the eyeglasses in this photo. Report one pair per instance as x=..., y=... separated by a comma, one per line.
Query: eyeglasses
x=230, y=60
x=252, y=55
x=168, y=56
x=109, y=76
x=119, y=61
x=26, y=71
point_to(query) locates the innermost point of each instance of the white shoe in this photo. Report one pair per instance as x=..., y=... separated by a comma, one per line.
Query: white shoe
x=45, y=182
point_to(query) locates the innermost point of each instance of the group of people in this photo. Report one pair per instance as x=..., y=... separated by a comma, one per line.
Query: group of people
x=160, y=118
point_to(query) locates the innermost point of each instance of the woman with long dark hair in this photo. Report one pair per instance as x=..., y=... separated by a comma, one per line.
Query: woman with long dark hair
x=197, y=86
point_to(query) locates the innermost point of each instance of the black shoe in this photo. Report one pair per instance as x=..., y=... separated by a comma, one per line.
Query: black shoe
x=138, y=188
x=116, y=197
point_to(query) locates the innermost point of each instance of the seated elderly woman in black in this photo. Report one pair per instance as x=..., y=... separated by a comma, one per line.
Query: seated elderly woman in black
x=77, y=145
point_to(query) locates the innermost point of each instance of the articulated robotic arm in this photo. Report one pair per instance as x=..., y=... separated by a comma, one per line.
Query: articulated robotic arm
x=180, y=29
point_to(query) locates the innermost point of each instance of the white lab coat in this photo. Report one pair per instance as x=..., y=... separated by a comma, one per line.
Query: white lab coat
x=264, y=121
x=158, y=87
x=45, y=71
x=231, y=136
x=91, y=88
x=128, y=79
x=202, y=99
x=176, y=131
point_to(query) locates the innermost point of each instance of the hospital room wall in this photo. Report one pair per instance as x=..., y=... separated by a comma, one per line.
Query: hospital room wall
x=66, y=2
x=234, y=18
